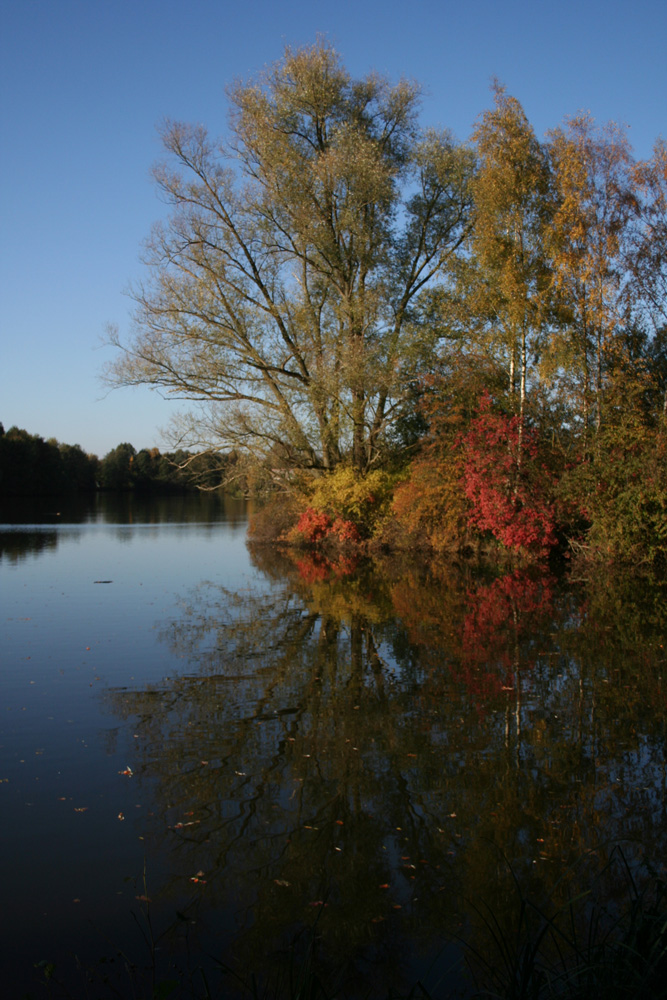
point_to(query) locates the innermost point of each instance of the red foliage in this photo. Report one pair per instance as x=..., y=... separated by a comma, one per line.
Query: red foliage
x=316, y=568
x=498, y=618
x=314, y=525
x=506, y=486
x=345, y=531
x=313, y=569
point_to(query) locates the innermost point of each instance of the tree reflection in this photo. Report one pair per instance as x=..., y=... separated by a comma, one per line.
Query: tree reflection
x=362, y=748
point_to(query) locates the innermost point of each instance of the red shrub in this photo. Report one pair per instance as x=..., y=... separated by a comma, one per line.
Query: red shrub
x=507, y=487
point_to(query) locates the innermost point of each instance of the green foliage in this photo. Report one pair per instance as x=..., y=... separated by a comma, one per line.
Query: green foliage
x=623, y=494
x=31, y=465
x=116, y=470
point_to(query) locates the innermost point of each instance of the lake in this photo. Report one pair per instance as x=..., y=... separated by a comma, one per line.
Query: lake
x=219, y=760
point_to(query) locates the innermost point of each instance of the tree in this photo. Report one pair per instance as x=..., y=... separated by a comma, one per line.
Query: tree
x=116, y=467
x=284, y=283
x=648, y=259
x=510, y=297
x=29, y=464
x=596, y=202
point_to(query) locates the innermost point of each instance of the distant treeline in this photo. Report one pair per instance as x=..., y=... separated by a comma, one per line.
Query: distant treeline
x=30, y=465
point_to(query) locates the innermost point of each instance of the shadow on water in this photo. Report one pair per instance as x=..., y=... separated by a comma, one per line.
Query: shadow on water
x=372, y=754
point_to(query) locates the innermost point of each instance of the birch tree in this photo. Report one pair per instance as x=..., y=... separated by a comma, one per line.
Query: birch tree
x=596, y=202
x=509, y=288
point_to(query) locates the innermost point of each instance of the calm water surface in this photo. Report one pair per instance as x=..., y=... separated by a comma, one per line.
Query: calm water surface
x=210, y=754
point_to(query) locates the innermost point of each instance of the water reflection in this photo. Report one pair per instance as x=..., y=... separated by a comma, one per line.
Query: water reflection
x=32, y=525
x=373, y=749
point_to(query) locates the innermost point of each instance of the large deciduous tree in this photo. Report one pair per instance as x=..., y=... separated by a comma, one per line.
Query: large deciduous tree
x=283, y=285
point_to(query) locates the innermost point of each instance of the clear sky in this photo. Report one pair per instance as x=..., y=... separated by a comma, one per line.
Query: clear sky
x=83, y=84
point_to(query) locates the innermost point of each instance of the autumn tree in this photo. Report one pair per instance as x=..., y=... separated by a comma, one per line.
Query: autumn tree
x=283, y=284
x=508, y=278
x=596, y=201
x=648, y=258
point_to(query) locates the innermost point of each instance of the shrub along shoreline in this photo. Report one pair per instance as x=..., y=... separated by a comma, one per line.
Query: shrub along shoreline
x=493, y=485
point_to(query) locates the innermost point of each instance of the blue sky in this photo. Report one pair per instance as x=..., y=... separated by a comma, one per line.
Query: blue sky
x=84, y=83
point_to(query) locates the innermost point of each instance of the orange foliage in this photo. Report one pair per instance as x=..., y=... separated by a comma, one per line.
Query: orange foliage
x=430, y=506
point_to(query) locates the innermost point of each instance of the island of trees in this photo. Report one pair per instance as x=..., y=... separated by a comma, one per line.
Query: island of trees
x=420, y=342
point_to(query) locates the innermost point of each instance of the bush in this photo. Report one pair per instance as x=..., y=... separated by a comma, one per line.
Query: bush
x=343, y=508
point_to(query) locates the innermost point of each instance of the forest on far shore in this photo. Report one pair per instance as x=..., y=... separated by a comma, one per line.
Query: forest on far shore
x=31, y=466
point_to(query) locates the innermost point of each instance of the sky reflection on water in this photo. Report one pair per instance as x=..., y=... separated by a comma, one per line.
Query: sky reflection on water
x=286, y=742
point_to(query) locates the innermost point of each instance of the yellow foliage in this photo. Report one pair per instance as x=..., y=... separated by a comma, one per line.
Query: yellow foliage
x=362, y=499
